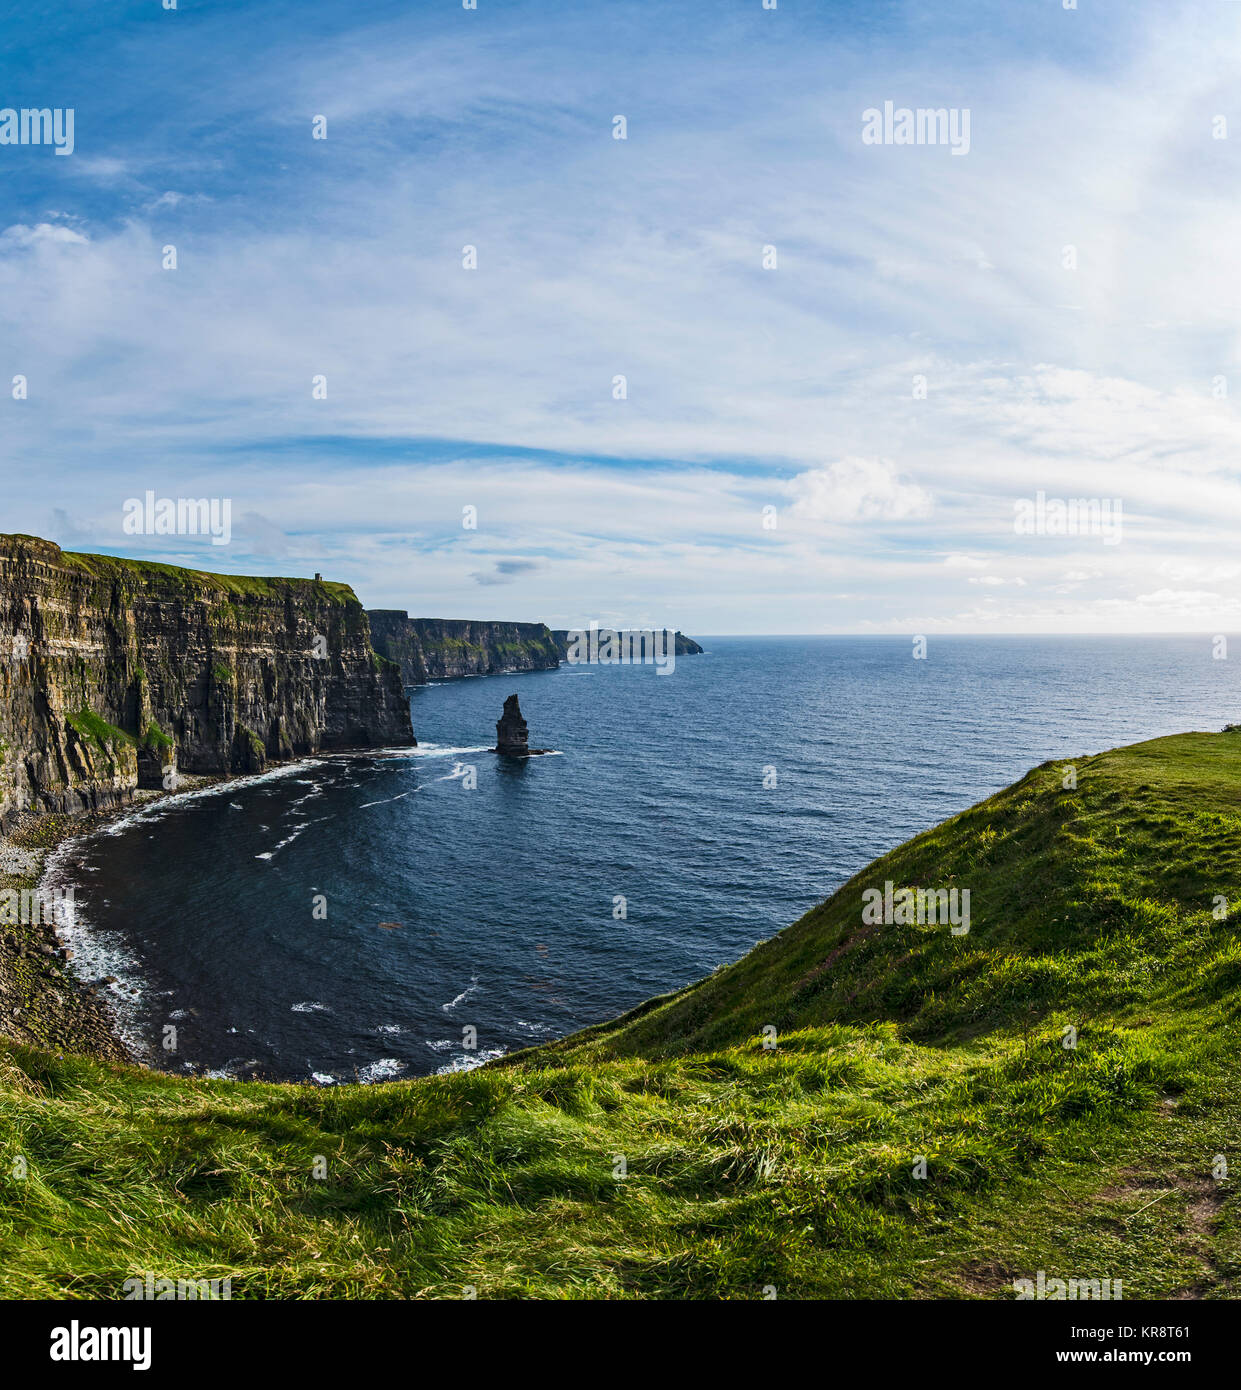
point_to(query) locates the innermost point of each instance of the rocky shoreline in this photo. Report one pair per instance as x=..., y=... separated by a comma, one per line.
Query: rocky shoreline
x=42, y=1002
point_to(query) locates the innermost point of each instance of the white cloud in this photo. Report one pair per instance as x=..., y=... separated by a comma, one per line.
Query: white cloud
x=858, y=489
x=21, y=235
x=598, y=258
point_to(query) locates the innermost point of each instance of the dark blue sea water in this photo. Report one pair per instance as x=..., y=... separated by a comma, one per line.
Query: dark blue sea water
x=506, y=894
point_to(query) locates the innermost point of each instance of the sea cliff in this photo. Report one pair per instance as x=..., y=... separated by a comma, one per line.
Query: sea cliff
x=444, y=648
x=112, y=669
x=431, y=649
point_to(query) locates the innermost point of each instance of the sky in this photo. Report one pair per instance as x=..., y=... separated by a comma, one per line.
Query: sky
x=846, y=365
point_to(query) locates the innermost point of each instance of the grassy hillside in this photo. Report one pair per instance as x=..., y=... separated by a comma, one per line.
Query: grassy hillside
x=897, y=1050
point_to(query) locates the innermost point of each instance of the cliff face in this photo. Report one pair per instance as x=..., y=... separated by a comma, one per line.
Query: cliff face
x=108, y=667
x=442, y=648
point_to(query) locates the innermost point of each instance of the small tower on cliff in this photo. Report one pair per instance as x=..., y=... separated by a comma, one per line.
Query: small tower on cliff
x=512, y=735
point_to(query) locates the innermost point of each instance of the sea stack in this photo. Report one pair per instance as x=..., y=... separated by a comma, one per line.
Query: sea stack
x=512, y=735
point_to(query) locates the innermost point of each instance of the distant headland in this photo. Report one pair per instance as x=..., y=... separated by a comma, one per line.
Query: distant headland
x=434, y=649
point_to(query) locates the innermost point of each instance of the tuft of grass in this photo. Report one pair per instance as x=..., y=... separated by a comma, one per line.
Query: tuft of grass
x=91, y=728
x=156, y=739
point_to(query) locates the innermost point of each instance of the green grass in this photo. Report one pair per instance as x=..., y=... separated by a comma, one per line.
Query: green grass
x=107, y=738
x=202, y=583
x=156, y=739
x=1098, y=902
x=91, y=728
x=897, y=1050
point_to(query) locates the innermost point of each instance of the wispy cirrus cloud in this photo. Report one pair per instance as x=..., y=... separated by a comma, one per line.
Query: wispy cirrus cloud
x=808, y=447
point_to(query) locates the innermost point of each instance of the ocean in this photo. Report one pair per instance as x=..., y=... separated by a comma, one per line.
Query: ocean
x=359, y=917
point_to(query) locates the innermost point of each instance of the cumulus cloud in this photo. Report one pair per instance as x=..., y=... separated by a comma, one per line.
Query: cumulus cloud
x=858, y=489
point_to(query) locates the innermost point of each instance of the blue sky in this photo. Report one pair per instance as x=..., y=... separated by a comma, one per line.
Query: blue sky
x=753, y=395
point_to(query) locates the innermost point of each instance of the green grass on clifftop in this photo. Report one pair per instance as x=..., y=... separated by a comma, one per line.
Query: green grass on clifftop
x=203, y=582
x=1098, y=917
x=189, y=583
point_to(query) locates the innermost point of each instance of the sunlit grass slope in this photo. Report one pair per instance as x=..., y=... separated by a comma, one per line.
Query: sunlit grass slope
x=678, y=1153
